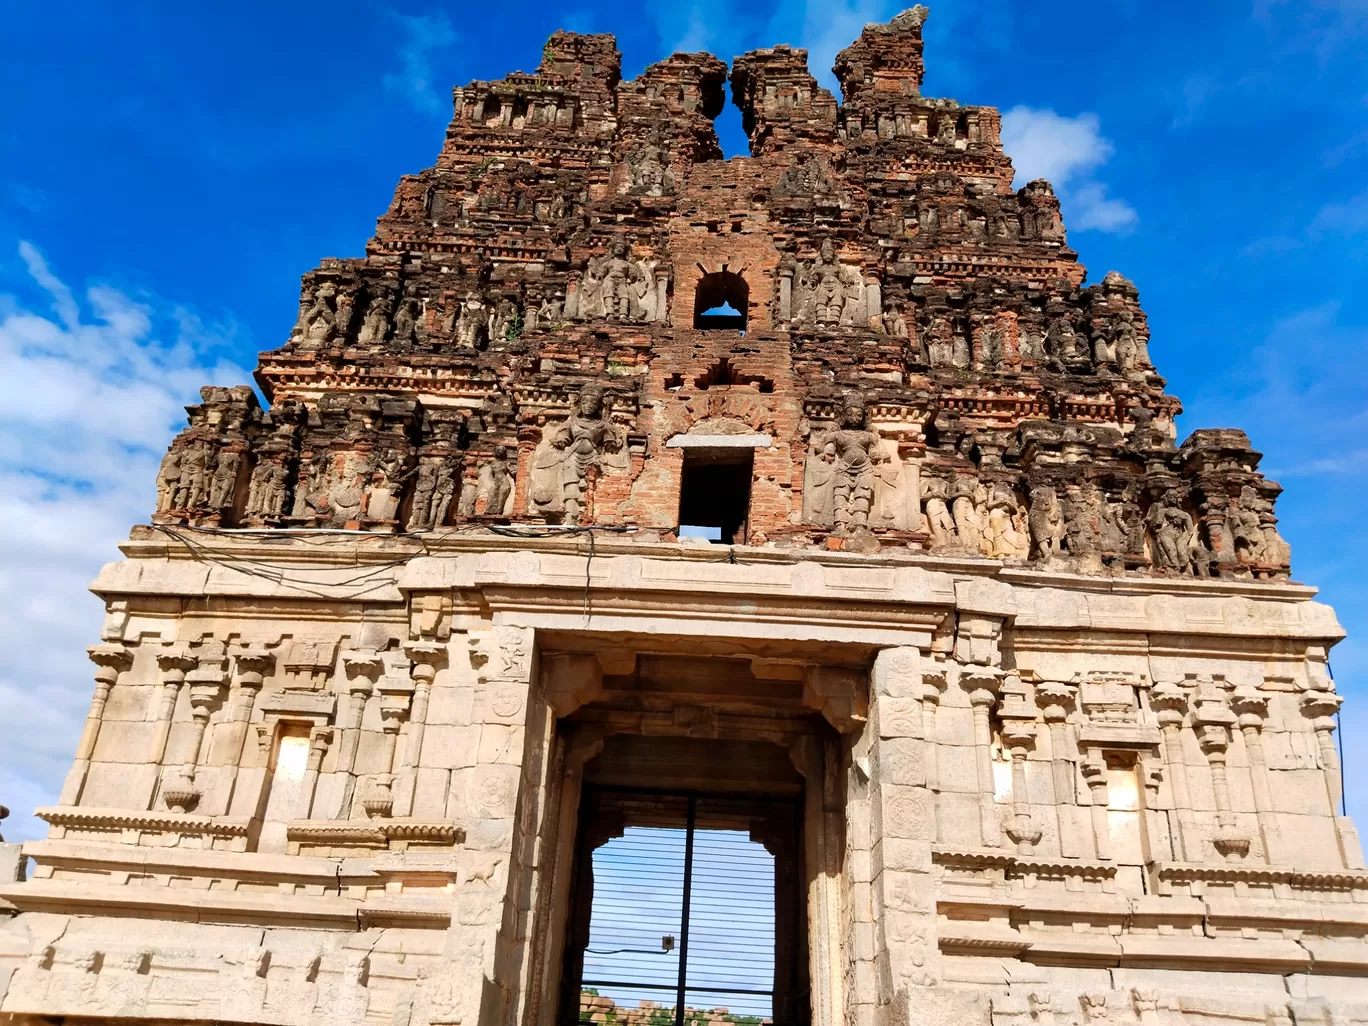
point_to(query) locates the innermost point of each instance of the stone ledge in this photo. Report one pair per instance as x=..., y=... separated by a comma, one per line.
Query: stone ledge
x=77, y=816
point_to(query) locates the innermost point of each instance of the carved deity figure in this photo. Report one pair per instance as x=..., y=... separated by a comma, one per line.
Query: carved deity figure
x=618, y=287
x=433, y=489
x=891, y=484
x=964, y=510
x=406, y=321
x=819, y=485
x=940, y=348
x=317, y=322
x=935, y=494
x=1130, y=348
x=1061, y=344
x=493, y=492
x=223, y=483
x=472, y=322
x=193, y=486
x=375, y=325
x=988, y=347
x=504, y=321
x=892, y=322
x=266, y=492
x=1004, y=536
x=1178, y=546
x=648, y=170
x=168, y=480
x=569, y=452
x=852, y=484
x=828, y=292
x=1246, y=528
x=1046, y=520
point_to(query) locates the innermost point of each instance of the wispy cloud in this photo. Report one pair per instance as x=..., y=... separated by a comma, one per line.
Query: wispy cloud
x=424, y=34
x=1345, y=217
x=1067, y=151
x=90, y=394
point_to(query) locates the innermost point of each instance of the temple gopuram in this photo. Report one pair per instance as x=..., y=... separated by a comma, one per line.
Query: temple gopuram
x=667, y=589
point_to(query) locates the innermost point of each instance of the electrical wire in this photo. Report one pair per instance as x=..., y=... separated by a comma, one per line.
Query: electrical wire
x=1339, y=738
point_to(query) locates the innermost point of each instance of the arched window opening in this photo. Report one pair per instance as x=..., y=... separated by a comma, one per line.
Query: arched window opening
x=721, y=301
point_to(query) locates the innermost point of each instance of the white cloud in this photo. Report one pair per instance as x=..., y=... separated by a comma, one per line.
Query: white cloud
x=89, y=397
x=829, y=26
x=423, y=33
x=1347, y=218
x=1066, y=151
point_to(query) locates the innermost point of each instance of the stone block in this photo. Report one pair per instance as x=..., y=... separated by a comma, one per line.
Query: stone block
x=451, y=705
x=450, y=747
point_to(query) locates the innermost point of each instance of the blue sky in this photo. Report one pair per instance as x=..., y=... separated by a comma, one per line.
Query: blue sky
x=168, y=170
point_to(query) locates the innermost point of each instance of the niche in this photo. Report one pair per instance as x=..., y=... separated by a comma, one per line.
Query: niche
x=721, y=301
x=714, y=494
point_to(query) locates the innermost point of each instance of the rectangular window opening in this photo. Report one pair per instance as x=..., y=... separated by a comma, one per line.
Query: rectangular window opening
x=714, y=494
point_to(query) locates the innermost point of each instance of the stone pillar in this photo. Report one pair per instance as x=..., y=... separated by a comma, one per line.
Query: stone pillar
x=1055, y=699
x=378, y=801
x=250, y=668
x=932, y=686
x=1320, y=707
x=361, y=668
x=982, y=687
x=319, y=740
x=1251, y=709
x=1169, y=701
x=1019, y=734
x=110, y=660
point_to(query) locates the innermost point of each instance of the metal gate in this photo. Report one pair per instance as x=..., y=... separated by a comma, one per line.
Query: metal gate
x=674, y=910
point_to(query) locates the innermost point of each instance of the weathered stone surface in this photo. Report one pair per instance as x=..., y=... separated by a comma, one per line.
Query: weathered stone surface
x=1062, y=728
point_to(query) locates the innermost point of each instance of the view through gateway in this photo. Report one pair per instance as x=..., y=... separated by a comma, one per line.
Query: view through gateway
x=682, y=923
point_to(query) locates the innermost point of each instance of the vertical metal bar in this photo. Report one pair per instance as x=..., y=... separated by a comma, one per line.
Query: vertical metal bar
x=684, y=917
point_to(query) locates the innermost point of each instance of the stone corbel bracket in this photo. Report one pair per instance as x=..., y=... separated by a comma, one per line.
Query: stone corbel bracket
x=131, y=825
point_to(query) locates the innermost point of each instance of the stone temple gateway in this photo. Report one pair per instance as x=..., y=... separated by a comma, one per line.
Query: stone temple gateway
x=624, y=493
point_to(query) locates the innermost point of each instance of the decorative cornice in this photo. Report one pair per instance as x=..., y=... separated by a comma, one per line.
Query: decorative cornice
x=374, y=833
x=77, y=817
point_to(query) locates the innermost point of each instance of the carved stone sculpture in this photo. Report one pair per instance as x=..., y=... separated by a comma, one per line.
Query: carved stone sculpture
x=847, y=490
x=493, y=492
x=569, y=453
x=433, y=490
x=406, y=321
x=648, y=170
x=318, y=321
x=1004, y=534
x=936, y=507
x=619, y=287
x=827, y=292
x=1046, y=520
x=375, y=325
x=964, y=510
x=472, y=323
x=266, y=492
x=504, y=321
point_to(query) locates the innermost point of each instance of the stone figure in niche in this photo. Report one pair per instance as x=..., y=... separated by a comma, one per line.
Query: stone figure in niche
x=406, y=321
x=375, y=325
x=309, y=491
x=1032, y=345
x=192, y=489
x=935, y=494
x=964, y=510
x=504, y=322
x=1246, y=527
x=648, y=170
x=568, y=453
x=472, y=322
x=829, y=292
x=890, y=488
x=1123, y=525
x=1004, y=535
x=551, y=311
x=940, y=343
x=892, y=322
x=168, y=480
x=990, y=346
x=819, y=484
x=960, y=355
x=1083, y=522
x=493, y=492
x=618, y=287
x=384, y=484
x=223, y=484
x=1061, y=344
x=852, y=485
x=266, y=492
x=1104, y=350
x=1174, y=538
x=317, y=321
x=434, y=488
x=1046, y=520
x=811, y=176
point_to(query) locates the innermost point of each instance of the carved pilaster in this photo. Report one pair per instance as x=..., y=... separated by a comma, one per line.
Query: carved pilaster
x=1213, y=720
x=1019, y=736
x=1169, y=700
x=1251, y=710
x=1055, y=700
x=1320, y=707
x=982, y=686
x=110, y=660
x=427, y=657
